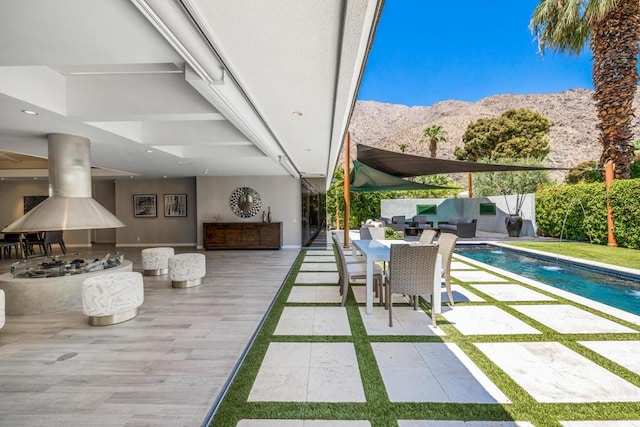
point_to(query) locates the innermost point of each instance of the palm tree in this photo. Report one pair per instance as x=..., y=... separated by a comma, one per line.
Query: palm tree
x=403, y=147
x=612, y=28
x=433, y=134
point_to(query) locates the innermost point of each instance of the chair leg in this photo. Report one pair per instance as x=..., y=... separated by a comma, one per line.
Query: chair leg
x=434, y=322
x=345, y=290
x=447, y=281
x=415, y=302
x=390, y=304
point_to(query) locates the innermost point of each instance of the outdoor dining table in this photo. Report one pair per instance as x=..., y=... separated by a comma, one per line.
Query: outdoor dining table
x=379, y=250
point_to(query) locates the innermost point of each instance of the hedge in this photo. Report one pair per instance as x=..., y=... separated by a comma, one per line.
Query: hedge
x=625, y=204
x=583, y=207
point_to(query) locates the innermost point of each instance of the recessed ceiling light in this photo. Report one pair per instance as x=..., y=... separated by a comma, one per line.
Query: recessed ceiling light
x=165, y=177
x=35, y=178
x=298, y=113
x=29, y=112
x=149, y=151
x=182, y=162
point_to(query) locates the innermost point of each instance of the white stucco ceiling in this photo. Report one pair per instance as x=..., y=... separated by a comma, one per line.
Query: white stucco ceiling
x=184, y=87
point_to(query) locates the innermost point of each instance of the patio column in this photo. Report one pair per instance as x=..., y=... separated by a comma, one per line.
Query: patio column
x=346, y=189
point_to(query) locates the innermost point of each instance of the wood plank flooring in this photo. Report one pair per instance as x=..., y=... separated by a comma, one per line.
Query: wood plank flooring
x=163, y=368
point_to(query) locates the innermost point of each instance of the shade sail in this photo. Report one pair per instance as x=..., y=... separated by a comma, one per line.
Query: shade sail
x=405, y=165
x=365, y=179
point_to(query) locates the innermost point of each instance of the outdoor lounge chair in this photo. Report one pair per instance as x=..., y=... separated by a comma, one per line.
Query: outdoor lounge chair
x=398, y=223
x=446, y=245
x=411, y=270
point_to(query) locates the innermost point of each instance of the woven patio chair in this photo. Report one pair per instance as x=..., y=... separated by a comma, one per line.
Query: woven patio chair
x=427, y=236
x=411, y=271
x=446, y=245
x=351, y=259
x=356, y=271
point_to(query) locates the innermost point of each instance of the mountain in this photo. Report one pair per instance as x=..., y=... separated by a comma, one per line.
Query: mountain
x=573, y=136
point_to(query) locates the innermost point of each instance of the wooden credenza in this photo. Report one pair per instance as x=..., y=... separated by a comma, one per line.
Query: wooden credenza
x=242, y=235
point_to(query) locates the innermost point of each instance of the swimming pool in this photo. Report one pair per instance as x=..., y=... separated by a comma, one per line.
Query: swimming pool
x=594, y=283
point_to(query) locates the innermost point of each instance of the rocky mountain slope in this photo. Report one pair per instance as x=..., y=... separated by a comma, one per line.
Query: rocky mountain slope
x=573, y=136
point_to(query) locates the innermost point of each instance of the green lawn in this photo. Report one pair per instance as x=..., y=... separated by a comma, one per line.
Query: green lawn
x=611, y=255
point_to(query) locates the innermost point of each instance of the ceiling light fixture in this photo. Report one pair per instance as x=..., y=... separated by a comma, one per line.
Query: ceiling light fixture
x=149, y=151
x=30, y=112
x=298, y=113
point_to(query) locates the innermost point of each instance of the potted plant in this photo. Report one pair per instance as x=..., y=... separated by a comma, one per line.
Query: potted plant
x=518, y=183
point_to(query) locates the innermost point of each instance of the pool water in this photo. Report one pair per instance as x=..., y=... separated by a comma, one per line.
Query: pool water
x=595, y=284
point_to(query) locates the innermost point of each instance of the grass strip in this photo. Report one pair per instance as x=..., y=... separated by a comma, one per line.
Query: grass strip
x=623, y=257
x=381, y=412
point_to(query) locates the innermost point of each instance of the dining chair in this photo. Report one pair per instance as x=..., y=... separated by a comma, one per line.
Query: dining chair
x=446, y=245
x=427, y=236
x=31, y=240
x=53, y=237
x=411, y=271
x=356, y=271
x=365, y=233
x=351, y=259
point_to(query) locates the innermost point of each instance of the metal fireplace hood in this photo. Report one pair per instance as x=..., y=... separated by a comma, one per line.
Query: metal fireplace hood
x=70, y=205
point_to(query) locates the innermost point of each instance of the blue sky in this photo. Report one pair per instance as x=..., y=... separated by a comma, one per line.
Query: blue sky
x=428, y=51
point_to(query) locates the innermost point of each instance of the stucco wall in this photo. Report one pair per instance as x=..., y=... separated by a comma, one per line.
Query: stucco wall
x=281, y=193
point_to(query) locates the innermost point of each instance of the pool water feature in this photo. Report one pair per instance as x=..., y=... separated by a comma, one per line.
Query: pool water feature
x=611, y=288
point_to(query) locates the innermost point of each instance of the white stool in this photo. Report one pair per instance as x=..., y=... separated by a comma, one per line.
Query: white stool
x=186, y=270
x=112, y=298
x=155, y=261
x=1, y=308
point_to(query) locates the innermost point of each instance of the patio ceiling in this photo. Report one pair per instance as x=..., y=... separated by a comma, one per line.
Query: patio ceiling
x=183, y=87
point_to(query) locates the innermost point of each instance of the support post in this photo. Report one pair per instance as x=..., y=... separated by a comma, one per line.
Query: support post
x=608, y=178
x=469, y=185
x=346, y=188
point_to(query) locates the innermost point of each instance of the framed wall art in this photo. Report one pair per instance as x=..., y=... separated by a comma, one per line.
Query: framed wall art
x=31, y=202
x=175, y=205
x=145, y=206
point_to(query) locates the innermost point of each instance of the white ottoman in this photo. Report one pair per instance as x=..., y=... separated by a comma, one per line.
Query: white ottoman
x=1, y=308
x=186, y=270
x=112, y=298
x=155, y=261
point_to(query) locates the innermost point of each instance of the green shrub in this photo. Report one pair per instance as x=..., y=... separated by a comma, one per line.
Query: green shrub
x=584, y=172
x=391, y=234
x=573, y=212
x=635, y=168
x=625, y=204
x=584, y=208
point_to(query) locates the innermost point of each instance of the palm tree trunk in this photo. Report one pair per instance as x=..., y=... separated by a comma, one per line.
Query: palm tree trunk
x=615, y=78
x=433, y=147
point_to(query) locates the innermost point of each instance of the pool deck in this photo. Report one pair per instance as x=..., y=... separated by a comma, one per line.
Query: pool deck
x=167, y=366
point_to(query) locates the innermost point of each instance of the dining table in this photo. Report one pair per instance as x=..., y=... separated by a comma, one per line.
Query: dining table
x=380, y=250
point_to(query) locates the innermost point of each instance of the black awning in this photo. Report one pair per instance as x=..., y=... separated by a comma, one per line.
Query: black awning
x=405, y=165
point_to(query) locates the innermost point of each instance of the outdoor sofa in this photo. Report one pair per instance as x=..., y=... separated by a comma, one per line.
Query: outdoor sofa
x=461, y=226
